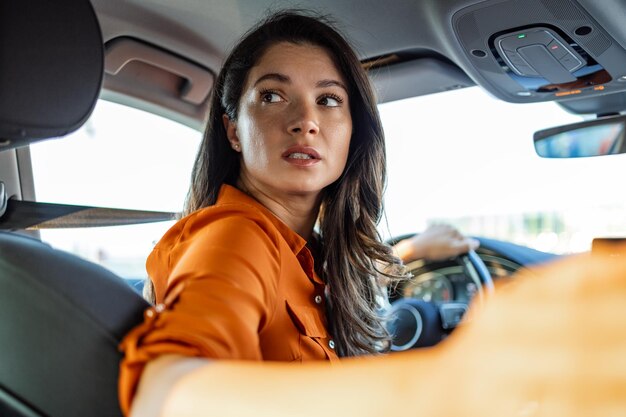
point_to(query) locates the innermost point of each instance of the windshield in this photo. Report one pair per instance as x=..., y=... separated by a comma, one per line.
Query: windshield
x=467, y=159
x=459, y=157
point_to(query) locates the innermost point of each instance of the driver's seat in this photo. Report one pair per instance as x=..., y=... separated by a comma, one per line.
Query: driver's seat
x=61, y=318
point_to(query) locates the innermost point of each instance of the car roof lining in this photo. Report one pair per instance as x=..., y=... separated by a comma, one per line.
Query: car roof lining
x=199, y=31
x=396, y=82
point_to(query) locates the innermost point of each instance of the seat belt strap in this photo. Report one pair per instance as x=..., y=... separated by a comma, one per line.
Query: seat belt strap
x=31, y=215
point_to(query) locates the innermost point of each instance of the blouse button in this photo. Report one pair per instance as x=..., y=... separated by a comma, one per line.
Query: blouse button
x=152, y=311
x=318, y=299
x=331, y=344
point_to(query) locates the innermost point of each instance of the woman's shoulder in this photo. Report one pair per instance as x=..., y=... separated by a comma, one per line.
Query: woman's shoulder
x=214, y=239
x=232, y=221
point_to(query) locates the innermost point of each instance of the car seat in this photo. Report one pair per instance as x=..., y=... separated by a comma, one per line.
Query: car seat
x=61, y=317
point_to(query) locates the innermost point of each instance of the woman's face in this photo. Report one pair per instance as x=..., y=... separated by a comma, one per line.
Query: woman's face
x=294, y=125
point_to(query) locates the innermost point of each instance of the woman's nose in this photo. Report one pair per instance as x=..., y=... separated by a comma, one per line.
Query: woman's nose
x=304, y=120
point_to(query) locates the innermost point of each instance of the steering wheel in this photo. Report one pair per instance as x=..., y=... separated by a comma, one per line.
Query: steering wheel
x=418, y=323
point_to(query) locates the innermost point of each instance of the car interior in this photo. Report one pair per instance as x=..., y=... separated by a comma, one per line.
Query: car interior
x=62, y=317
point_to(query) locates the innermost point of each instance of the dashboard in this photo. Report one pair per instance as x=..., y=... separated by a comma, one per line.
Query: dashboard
x=450, y=281
x=444, y=285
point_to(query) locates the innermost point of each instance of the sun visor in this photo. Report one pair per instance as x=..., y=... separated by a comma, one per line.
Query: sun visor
x=52, y=63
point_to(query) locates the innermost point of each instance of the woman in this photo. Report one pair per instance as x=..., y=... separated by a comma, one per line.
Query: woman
x=293, y=140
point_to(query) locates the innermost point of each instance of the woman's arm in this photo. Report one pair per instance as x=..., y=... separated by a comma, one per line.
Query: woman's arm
x=179, y=386
x=436, y=243
x=548, y=344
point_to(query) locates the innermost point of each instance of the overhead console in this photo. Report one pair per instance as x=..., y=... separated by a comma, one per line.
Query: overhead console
x=539, y=50
x=540, y=53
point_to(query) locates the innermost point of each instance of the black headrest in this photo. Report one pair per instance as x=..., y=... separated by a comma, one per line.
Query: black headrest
x=51, y=58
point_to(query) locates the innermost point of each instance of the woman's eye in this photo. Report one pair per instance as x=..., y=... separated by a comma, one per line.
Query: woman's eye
x=330, y=101
x=270, y=97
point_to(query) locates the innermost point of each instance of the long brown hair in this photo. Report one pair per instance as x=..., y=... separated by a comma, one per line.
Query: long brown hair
x=351, y=252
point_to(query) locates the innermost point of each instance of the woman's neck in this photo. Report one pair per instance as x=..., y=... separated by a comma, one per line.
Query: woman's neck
x=297, y=211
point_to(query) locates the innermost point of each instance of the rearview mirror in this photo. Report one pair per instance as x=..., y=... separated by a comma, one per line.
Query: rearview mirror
x=604, y=136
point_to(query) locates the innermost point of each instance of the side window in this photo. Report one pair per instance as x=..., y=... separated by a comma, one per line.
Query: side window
x=121, y=158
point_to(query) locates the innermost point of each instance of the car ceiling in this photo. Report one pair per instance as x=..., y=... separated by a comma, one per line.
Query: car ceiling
x=162, y=55
x=424, y=42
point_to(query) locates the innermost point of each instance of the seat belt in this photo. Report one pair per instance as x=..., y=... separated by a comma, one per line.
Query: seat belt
x=33, y=215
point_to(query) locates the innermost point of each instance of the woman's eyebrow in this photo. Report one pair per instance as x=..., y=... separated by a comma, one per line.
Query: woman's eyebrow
x=273, y=76
x=276, y=76
x=331, y=83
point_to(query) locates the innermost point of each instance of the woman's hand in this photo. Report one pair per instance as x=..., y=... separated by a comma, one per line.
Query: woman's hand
x=436, y=243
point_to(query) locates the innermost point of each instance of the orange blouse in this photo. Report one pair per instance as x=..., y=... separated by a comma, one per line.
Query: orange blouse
x=232, y=282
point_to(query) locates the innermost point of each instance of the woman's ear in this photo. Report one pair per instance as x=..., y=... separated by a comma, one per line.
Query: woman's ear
x=231, y=132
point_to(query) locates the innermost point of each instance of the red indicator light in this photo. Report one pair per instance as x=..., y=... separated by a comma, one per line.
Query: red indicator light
x=553, y=47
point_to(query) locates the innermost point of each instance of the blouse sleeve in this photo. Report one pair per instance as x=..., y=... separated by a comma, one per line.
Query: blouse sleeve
x=221, y=286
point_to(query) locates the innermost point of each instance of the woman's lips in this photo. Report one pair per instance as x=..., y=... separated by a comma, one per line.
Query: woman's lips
x=301, y=156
